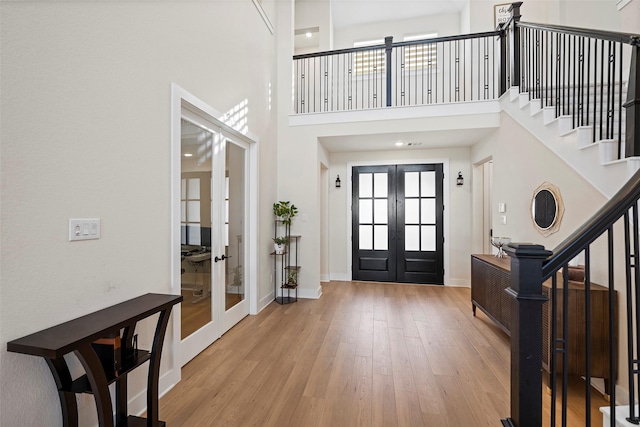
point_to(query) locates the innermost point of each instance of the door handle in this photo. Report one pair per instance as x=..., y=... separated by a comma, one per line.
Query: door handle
x=222, y=258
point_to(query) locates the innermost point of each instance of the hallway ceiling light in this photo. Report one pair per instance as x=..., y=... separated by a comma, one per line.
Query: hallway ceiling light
x=399, y=144
x=308, y=34
x=188, y=154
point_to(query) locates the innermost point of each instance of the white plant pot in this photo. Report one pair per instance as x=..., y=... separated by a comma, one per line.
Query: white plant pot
x=279, y=248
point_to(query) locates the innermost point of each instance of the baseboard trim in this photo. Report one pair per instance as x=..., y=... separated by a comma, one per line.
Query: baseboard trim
x=265, y=301
x=138, y=404
x=310, y=293
x=458, y=283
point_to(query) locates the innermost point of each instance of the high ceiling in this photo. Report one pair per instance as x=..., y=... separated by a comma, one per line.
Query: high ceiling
x=346, y=13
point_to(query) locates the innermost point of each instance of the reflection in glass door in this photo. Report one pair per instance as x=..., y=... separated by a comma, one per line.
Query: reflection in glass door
x=236, y=305
x=195, y=228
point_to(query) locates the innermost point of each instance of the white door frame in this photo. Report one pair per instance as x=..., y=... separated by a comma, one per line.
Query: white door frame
x=184, y=104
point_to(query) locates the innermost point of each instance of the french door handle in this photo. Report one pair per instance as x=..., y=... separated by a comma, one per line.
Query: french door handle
x=222, y=258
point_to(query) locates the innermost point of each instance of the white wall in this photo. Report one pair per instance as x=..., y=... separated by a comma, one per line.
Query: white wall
x=520, y=164
x=444, y=25
x=317, y=13
x=85, y=132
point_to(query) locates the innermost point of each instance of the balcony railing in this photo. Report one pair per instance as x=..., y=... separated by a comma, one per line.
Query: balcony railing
x=424, y=72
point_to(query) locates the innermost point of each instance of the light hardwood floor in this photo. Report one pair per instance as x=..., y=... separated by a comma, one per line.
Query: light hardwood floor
x=365, y=354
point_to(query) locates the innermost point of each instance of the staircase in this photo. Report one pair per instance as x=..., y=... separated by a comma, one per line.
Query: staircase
x=597, y=162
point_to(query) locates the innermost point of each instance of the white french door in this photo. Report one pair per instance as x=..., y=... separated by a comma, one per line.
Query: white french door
x=213, y=227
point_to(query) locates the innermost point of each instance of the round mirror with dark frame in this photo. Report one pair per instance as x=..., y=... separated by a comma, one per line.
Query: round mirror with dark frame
x=547, y=209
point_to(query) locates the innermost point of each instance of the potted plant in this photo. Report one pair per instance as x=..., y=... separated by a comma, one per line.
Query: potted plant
x=292, y=279
x=285, y=211
x=279, y=244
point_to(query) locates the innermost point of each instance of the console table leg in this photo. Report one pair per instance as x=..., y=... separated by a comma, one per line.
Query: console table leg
x=98, y=381
x=154, y=368
x=63, y=380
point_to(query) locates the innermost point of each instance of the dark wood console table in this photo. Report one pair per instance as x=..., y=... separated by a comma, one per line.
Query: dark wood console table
x=77, y=336
x=490, y=276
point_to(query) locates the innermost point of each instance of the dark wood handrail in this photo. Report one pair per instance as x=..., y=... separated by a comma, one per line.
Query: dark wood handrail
x=399, y=44
x=627, y=38
x=602, y=220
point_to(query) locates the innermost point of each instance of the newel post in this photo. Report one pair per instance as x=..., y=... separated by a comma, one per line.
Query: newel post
x=515, y=43
x=503, y=58
x=388, y=43
x=526, y=334
x=632, y=138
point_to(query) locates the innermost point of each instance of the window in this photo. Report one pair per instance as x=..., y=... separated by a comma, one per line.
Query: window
x=420, y=56
x=190, y=207
x=369, y=61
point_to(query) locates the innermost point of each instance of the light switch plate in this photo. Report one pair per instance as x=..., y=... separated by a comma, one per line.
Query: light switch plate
x=502, y=207
x=503, y=219
x=84, y=229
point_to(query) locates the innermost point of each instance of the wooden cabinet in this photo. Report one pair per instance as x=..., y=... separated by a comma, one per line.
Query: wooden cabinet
x=490, y=276
x=79, y=336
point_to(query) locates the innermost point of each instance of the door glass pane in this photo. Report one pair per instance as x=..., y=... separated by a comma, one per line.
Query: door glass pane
x=381, y=215
x=193, y=189
x=365, y=240
x=381, y=185
x=193, y=211
x=366, y=211
x=428, y=238
x=234, y=226
x=195, y=277
x=411, y=211
x=412, y=238
x=428, y=181
x=380, y=237
x=365, y=185
x=428, y=212
x=411, y=184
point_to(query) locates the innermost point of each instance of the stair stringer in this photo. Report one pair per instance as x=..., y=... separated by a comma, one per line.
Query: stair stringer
x=585, y=159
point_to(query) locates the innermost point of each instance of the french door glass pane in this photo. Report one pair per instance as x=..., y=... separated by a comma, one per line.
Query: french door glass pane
x=381, y=185
x=428, y=212
x=193, y=189
x=412, y=238
x=366, y=211
x=428, y=238
x=366, y=185
x=195, y=277
x=411, y=211
x=234, y=225
x=428, y=181
x=193, y=210
x=366, y=237
x=194, y=234
x=381, y=214
x=411, y=184
x=380, y=237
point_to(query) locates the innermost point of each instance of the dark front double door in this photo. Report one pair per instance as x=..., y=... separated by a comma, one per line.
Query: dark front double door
x=397, y=223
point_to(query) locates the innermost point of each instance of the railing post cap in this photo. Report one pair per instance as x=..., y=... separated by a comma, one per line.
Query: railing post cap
x=527, y=250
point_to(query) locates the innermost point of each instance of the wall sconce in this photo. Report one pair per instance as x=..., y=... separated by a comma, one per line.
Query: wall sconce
x=338, y=184
x=460, y=179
